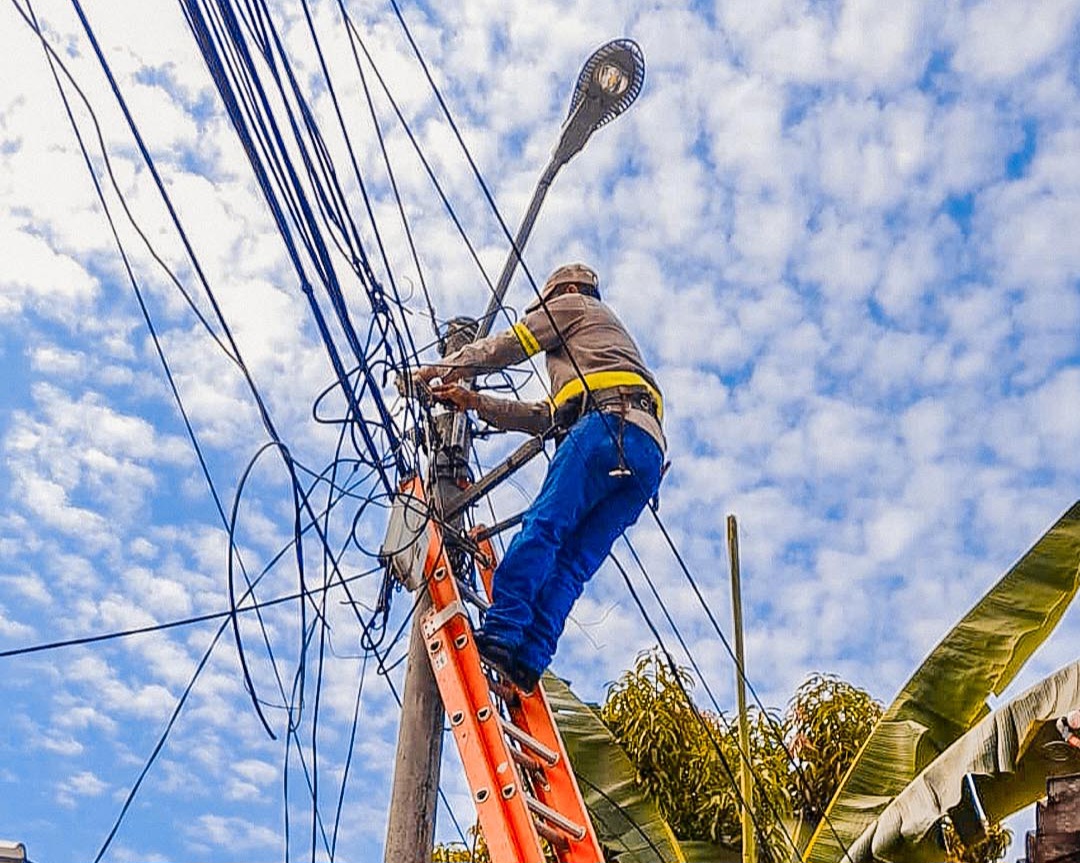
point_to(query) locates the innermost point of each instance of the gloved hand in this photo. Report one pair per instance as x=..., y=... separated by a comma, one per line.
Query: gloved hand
x=460, y=397
x=426, y=374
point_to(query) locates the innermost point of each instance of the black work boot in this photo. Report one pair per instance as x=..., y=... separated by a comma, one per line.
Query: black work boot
x=498, y=656
x=494, y=652
x=525, y=678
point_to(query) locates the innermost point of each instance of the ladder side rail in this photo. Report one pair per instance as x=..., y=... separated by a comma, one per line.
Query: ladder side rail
x=532, y=714
x=497, y=793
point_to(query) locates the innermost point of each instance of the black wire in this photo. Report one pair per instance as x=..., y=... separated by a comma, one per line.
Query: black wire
x=622, y=810
x=687, y=572
x=518, y=252
x=83, y=640
x=724, y=763
x=300, y=498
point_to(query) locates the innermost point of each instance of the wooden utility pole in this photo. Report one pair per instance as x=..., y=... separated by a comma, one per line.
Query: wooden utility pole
x=746, y=779
x=410, y=831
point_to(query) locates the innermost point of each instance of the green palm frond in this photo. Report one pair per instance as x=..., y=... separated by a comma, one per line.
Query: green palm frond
x=1011, y=753
x=625, y=817
x=947, y=695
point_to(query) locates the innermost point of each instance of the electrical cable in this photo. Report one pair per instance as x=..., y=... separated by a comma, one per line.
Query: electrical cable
x=300, y=498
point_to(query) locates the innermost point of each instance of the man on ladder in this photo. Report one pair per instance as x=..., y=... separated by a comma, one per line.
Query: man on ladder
x=606, y=413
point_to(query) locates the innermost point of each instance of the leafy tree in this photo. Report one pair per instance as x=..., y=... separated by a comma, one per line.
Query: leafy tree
x=826, y=723
x=689, y=760
x=458, y=852
x=992, y=848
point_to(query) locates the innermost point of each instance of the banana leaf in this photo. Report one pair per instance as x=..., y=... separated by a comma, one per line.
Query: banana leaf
x=947, y=695
x=1010, y=753
x=707, y=852
x=625, y=817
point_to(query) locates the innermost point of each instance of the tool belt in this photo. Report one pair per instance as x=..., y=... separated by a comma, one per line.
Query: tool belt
x=617, y=400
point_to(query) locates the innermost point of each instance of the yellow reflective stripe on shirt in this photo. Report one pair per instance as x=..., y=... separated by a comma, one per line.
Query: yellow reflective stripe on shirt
x=527, y=339
x=601, y=381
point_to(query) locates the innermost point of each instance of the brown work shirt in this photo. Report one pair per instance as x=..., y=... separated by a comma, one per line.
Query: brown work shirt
x=573, y=326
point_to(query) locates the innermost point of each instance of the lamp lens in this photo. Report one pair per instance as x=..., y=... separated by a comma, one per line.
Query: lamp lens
x=612, y=79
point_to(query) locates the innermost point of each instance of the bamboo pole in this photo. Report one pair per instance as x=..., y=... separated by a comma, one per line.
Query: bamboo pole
x=749, y=849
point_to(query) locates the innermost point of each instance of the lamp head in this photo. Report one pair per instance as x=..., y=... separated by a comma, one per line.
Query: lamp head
x=608, y=84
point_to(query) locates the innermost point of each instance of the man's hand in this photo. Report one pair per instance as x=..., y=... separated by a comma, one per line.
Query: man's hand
x=460, y=397
x=426, y=374
x=417, y=383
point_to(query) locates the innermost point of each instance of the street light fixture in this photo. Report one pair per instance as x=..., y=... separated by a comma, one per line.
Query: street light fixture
x=607, y=85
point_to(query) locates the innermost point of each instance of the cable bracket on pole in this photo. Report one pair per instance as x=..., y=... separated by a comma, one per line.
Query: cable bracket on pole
x=438, y=619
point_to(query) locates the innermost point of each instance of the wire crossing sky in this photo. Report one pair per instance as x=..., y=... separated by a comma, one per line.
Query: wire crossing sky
x=840, y=232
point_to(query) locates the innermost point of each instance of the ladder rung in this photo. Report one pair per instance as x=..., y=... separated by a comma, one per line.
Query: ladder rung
x=531, y=765
x=548, y=756
x=557, y=839
x=472, y=596
x=552, y=817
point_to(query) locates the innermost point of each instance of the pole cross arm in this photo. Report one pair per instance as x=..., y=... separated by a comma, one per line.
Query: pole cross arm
x=459, y=502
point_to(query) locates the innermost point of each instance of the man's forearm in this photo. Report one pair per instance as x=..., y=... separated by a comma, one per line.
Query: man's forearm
x=487, y=355
x=512, y=415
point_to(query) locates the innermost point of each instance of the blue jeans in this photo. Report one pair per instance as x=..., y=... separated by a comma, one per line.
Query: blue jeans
x=567, y=532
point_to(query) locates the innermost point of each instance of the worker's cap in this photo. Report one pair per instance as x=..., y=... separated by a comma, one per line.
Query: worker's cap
x=567, y=274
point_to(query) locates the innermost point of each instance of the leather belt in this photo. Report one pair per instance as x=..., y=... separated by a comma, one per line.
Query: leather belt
x=618, y=400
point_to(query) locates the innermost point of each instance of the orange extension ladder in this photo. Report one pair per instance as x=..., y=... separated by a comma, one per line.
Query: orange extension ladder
x=515, y=763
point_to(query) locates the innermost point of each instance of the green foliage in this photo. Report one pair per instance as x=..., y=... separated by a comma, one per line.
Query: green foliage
x=627, y=820
x=456, y=852
x=990, y=850
x=827, y=721
x=689, y=761
x=947, y=695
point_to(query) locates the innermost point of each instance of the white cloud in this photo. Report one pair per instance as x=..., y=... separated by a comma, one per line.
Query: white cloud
x=236, y=834
x=29, y=587
x=82, y=784
x=879, y=44
x=11, y=630
x=33, y=273
x=999, y=39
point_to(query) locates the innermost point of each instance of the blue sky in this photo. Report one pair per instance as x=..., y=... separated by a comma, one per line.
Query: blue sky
x=843, y=233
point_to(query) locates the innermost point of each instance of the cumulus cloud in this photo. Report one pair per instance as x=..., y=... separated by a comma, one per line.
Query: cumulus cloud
x=35, y=274
x=234, y=833
x=82, y=784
